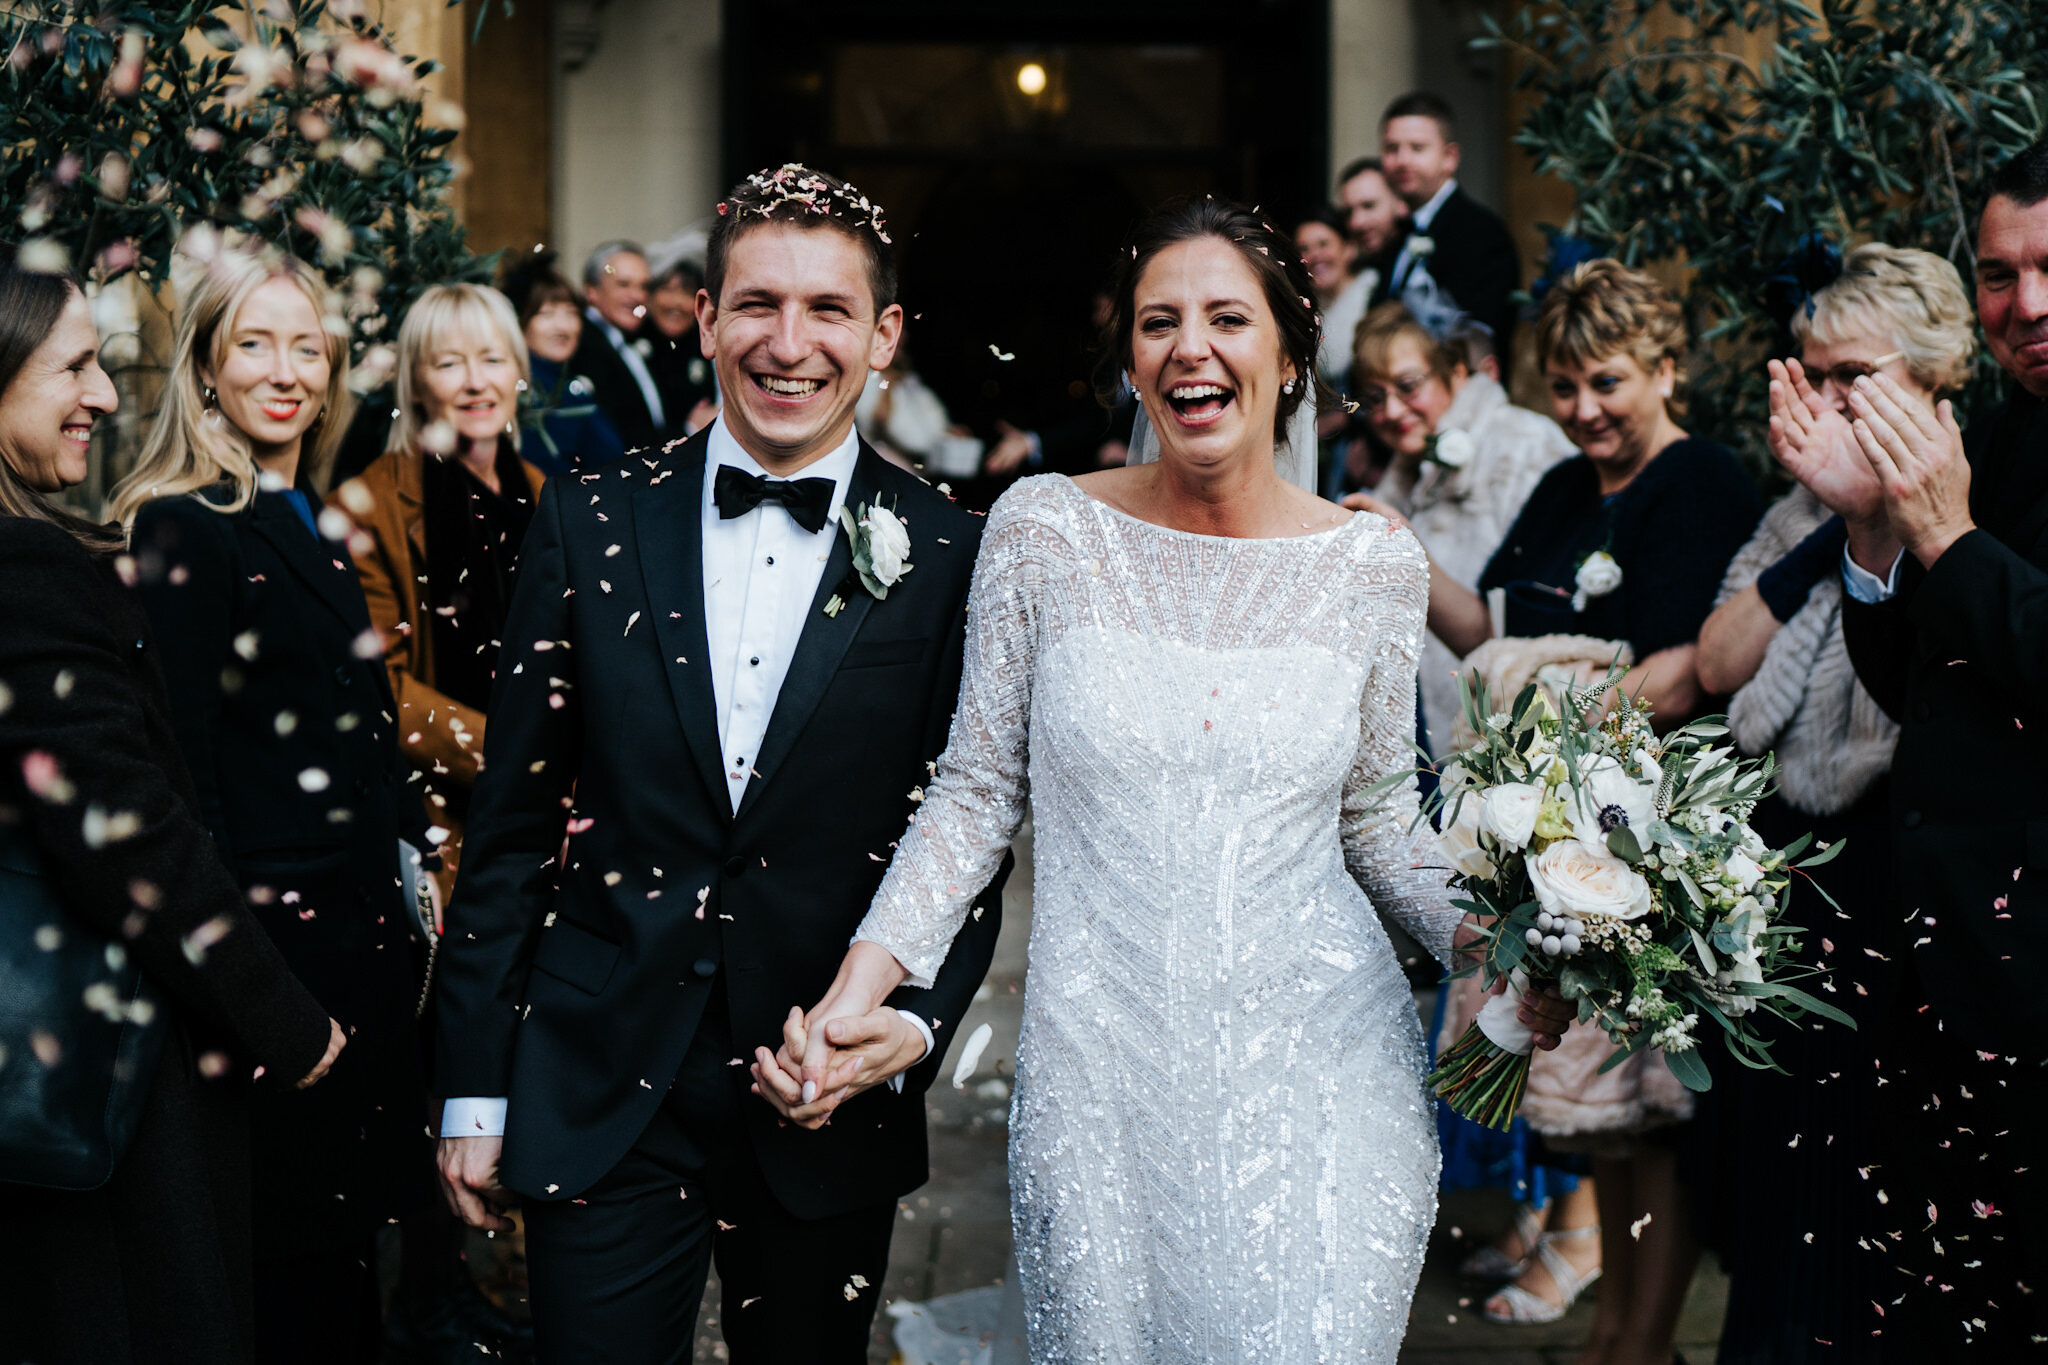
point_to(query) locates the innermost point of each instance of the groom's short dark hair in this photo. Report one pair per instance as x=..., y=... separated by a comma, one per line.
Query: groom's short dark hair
x=797, y=196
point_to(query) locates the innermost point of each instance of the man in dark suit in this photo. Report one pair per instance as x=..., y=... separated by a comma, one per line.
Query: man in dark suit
x=1457, y=253
x=732, y=723
x=1946, y=617
x=610, y=352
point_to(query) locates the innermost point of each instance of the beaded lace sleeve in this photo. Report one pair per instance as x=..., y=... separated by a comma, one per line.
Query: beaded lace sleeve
x=1393, y=858
x=972, y=809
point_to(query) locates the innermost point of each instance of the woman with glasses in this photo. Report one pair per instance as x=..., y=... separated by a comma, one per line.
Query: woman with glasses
x=1465, y=460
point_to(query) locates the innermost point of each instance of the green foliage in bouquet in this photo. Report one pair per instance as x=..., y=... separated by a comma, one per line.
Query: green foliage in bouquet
x=1863, y=120
x=1617, y=864
x=131, y=124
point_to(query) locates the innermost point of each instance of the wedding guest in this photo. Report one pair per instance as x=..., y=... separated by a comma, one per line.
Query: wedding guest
x=674, y=357
x=1465, y=459
x=908, y=425
x=574, y=432
x=1374, y=216
x=615, y=296
x=443, y=513
x=1796, y=1277
x=1624, y=544
x=1341, y=291
x=160, y=1252
x=1946, y=574
x=1457, y=255
x=285, y=719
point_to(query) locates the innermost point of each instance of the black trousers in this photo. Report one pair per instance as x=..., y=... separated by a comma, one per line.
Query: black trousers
x=1962, y=1206
x=618, y=1273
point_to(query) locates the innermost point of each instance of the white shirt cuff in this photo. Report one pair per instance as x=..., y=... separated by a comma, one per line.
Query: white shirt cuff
x=924, y=1030
x=471, y=1116
x=1865, y=586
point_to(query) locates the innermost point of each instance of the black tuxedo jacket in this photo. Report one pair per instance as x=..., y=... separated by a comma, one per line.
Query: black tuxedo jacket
x=1476, y=264
x=614, y=389
x=576, y=992
x=1959, y=657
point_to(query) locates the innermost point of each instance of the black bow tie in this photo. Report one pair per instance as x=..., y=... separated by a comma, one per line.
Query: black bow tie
x=737, y=493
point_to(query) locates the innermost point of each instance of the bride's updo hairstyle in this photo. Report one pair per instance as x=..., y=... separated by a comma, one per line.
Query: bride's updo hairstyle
x=1274, y=261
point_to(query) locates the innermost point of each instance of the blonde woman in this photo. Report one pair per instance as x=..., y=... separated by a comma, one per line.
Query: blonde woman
x=443, y=512
x=285, y=719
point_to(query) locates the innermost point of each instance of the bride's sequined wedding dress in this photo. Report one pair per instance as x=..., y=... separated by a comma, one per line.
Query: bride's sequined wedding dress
x=1221, y=1147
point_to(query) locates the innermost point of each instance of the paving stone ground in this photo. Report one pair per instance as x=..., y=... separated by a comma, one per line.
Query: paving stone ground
x=954, y=1233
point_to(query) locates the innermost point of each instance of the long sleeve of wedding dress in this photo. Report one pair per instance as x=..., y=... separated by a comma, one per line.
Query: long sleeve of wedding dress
x=973, y=806
x=1221, y=1148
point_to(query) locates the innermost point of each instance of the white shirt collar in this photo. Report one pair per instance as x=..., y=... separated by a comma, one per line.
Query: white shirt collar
x=1426, y=215
x=724, y=448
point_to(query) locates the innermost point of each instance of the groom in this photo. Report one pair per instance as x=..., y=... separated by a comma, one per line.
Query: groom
x=731, y=724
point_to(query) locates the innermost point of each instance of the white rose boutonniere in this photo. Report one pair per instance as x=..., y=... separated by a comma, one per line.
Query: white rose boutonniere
x=644, y=347
x=1597, y=577
x=1421, y=246
x=1451, y=449
x=881, y=552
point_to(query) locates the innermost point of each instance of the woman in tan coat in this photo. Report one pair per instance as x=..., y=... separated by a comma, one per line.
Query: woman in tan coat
x=440, y=517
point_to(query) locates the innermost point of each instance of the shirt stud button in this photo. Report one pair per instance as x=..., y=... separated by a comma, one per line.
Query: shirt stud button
x=755, y=661
x=771, y=559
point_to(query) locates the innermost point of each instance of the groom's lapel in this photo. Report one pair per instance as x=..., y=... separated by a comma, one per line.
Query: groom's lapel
x=668, y=529
x=823, y=642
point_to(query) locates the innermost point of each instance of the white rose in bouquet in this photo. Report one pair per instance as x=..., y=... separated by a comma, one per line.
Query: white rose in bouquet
x=1605, y=788
x=1461, y=838
x=1743, y=967
x=1582, y=880
x=1510, y=813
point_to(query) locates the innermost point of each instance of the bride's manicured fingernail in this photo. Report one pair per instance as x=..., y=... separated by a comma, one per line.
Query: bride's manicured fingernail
x=810, y=1091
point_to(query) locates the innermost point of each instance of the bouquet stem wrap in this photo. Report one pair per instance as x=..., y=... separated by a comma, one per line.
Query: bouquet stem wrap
x=1483, y=1074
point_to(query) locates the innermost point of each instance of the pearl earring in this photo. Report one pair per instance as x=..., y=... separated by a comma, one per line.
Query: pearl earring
x=1288, y=387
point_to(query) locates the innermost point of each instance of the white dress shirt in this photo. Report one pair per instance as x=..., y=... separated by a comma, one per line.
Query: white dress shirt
x=761, y=572
x=1865, y=586
x=636, y=365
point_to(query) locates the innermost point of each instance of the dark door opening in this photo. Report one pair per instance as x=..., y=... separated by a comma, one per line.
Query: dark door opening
x=1014, y=147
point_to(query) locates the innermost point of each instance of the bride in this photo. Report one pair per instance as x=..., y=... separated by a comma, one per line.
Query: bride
x=1202, y=677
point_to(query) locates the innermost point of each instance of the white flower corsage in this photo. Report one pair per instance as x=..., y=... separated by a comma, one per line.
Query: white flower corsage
x=1420, y=245
x=1597, y=577
x=881, y=552
x=644, y=347
x=1451, y=449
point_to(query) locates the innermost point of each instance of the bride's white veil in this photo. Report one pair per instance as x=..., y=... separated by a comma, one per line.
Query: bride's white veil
x=1294, y=458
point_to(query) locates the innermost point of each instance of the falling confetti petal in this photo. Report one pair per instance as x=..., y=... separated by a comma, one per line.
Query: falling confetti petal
x=970, y=1056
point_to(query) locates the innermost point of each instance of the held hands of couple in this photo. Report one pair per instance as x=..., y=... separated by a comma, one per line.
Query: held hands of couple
x=848, y=1043
x=858, y=1052
x=1545, y=1013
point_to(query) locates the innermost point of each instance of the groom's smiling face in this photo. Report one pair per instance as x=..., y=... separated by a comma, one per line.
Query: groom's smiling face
x=793, y=334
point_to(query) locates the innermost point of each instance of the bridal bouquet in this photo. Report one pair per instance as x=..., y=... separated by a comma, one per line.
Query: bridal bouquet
x=1617, y=864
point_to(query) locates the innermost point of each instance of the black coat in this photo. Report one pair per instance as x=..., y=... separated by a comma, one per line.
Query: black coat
x=1474, y=260
x=1959, y=657
x=577, y=996
x=154, y=1265
x=284, y=713
x=617, y=392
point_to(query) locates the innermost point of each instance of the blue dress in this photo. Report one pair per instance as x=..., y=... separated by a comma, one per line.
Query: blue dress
x=582, y=441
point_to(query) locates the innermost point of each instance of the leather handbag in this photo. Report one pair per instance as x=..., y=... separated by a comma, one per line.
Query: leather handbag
x=80, y=1033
